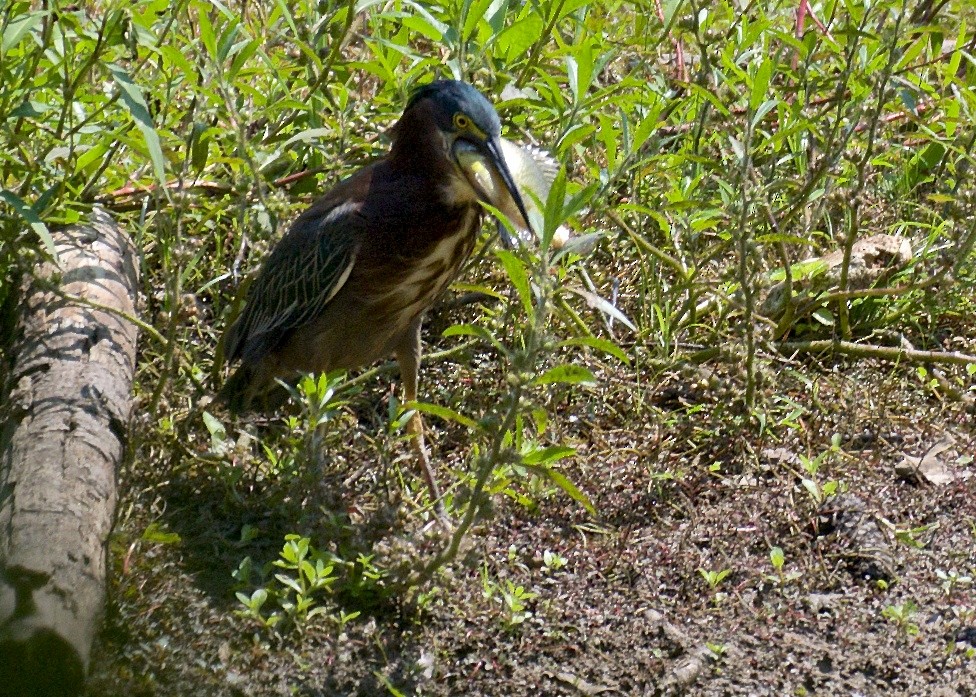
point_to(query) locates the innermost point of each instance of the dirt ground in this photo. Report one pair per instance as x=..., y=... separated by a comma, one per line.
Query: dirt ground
x=874, y=595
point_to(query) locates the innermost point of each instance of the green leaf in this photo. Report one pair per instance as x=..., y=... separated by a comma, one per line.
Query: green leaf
x=242, y=56
x=475, y=13
x=671, y=12
x=257, y=599
x=442, y=412
x=579, y=70
x=812, y=489
x=390, y=687
x=19, y=27
x=308, y=135
x=423, y=26
x=952, y=69
x=760, y=84
x=644, y=129
x=801, y=270
x=475, y=331
x=33, y=220
x=30, y=109
x=155, y=533
x=600, y=345
x=213, y=424
x=578, y=243
x=517, y=39
x=554, y=202
x=437, y=26
x=518, y=275
x=286, y=13
x=572, y=76
x=764, y=109
x=91, y=156
x=609, y=135
x=547, y=456
x=569, y=374
x=286, y=580
x=478, y=288
x=603, y=305
x=697, y=90
x=824, y=316
x=206, y=32
x=567, y=7
x=139, y=110
x=563, y=482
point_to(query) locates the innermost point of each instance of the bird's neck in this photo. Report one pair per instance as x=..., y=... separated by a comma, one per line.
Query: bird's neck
x=418, y=145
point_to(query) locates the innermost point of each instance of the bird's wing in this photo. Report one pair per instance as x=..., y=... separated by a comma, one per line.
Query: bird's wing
x=303, y=273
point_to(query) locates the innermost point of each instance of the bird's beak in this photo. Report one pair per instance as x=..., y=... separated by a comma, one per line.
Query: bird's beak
x=488, y=173
x=531, y=169
x=493, y=149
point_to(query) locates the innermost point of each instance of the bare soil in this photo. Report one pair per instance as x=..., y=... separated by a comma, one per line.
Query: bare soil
x=874, y=596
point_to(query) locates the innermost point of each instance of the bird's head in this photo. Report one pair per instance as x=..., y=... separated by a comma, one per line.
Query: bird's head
x=471, y=132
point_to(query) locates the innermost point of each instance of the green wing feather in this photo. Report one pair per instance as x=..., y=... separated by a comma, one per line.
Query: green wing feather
x=303, y=273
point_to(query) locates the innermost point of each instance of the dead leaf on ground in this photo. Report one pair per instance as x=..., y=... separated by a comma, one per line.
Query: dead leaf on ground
x=930, y=468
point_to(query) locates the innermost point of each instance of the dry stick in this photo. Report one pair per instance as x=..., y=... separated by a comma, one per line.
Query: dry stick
x=888, y=353
x=679, y=52
x=646, y=246
x=949, y=388
x=134, y=190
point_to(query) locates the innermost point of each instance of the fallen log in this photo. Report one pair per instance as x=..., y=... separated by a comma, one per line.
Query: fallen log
x=62, y=435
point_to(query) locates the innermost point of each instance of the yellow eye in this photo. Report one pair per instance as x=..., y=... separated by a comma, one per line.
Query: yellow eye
x=461, y=122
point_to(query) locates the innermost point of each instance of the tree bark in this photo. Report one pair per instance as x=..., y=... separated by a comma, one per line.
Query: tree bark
x=61, y=442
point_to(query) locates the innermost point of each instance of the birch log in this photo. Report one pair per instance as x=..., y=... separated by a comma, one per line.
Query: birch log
x=61, y=442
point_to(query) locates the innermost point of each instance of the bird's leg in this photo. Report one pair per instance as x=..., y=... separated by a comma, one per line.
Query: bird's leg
x=408, y=356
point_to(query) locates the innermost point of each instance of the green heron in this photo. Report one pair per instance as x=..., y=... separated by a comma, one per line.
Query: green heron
x=350, y=281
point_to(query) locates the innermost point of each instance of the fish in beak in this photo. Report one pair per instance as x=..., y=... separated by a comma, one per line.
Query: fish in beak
x=487, y=172
x=530, y=168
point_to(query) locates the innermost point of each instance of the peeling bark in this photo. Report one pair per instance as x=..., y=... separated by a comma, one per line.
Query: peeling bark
x=61, y=441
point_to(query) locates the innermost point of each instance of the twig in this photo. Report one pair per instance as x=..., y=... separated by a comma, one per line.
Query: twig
x=144, y=326
x=888, y=353
x=943, y=381
x=646, y=246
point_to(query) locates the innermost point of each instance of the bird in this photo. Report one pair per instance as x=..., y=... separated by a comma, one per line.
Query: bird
x=349, y=282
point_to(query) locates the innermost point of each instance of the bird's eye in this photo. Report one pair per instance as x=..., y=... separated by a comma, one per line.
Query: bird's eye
x=461, y=122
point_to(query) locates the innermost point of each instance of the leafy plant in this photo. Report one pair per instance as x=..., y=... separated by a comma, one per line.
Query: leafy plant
x=952, y=580
x=714, y=579
x=513, y=598
x=306, y=576
x=778, y=560
x=901, y=616
x=818, y=489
